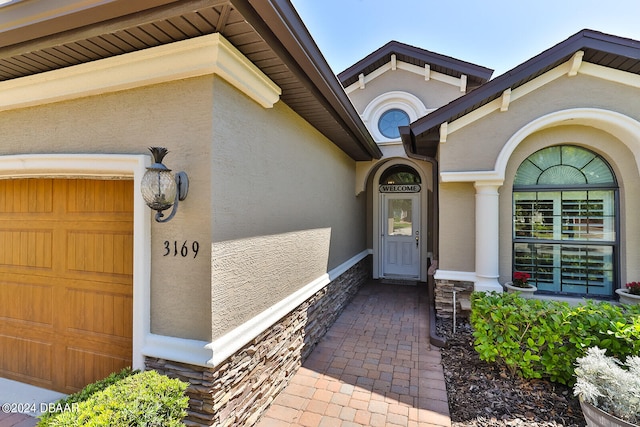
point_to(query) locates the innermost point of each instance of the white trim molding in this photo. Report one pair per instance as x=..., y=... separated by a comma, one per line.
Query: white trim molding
x=401, y=100
x=461, y=276
x=211, y=354
x=574, y=66
x=392, y=65
x=623, y=127
x=115, y=166
x=210, y=54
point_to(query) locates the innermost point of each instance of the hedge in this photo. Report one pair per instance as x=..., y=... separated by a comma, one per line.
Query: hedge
x=543, y=339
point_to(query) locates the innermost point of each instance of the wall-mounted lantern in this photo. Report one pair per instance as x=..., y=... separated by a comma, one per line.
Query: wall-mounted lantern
x=160, y=188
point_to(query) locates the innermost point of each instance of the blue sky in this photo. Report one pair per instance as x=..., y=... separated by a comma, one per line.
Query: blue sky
x=499, y=34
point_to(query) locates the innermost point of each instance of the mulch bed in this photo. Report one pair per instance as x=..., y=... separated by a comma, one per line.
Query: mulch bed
x=485, y=394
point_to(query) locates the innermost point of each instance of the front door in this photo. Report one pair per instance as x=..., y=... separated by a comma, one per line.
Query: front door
x=401, y=237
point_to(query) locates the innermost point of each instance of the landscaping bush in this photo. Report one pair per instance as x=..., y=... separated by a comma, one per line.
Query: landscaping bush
x=543, y=339
x=84, y=394
x=142, y=399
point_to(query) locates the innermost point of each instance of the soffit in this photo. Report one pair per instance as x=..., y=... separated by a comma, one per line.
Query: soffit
x=309, y=93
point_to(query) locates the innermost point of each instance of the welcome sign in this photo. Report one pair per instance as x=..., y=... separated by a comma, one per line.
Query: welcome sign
x=400, y=188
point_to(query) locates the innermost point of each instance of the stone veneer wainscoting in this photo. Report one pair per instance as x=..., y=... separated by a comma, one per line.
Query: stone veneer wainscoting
x=237, y=392
x=444, y=296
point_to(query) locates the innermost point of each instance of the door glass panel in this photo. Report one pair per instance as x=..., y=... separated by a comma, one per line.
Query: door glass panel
x=399, y=221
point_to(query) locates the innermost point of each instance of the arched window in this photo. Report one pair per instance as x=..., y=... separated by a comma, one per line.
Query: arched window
x=399, y=174
x=565, y=222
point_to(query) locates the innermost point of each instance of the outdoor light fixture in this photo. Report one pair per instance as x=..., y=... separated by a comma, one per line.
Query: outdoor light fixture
x=160, y=188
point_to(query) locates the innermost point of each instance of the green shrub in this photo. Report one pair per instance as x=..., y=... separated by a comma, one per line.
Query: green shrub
x=84, y=394
x=543, y=339
x=143, y=399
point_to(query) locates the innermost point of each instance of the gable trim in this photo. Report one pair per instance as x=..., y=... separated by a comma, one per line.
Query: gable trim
x=566, y=69
x=498, y=104
x=211, y=54
x=610, y=74
x=425, y=72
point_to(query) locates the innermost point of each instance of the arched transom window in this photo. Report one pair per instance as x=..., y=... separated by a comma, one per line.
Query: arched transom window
x=399, y=174
x=565, y=222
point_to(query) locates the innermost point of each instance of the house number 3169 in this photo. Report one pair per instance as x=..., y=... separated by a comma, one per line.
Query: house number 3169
x=184, y=249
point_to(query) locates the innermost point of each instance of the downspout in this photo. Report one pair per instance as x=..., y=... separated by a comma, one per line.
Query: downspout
x=408, y=142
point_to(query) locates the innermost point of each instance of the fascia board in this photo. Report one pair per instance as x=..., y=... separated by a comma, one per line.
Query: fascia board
x=211, y=54
x=586, y=68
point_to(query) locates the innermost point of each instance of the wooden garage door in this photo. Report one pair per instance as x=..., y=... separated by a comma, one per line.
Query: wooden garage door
x=66, y=261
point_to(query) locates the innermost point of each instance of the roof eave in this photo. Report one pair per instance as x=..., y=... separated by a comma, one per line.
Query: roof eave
x=581, y=40
x=481, y=73
x=281, y=25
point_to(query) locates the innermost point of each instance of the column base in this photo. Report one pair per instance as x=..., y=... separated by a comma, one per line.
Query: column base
x=487, y=284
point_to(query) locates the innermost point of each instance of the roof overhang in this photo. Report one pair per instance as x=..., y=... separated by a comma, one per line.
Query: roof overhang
x=476, y=75
x=423, y=136
x=38, y=37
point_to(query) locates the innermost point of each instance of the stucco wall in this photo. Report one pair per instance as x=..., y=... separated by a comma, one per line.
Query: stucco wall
x=477, y=145
x=174, y=115
x=457, y=227
x=283, y=207
x=433, y=93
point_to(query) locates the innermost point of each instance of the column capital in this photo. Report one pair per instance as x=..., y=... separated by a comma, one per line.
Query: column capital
x=488, y=186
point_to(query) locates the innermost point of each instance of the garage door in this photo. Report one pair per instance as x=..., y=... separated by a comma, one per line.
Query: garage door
x=66, y=261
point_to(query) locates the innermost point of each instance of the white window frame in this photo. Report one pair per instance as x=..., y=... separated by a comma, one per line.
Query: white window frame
x=400, y=100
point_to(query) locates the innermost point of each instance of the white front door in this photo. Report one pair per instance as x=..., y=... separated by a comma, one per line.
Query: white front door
x=401, y=235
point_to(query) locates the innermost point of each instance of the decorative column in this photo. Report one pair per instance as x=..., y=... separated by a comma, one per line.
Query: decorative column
x=487, y=236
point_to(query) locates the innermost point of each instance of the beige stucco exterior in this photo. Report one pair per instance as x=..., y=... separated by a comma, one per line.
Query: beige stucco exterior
x=126, y=123
x=271, y=206
x=457, y=226
x=283, y=207
x=475, y=150
x=433, y=93
x=476, y=146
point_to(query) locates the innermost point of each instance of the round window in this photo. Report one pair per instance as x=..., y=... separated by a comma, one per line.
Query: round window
x=389, y=122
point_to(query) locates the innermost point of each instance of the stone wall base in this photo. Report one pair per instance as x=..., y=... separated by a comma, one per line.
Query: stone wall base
x=444, y=297
x=238, y=391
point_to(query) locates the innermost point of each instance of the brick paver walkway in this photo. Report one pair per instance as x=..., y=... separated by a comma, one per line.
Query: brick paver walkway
x=374, y=367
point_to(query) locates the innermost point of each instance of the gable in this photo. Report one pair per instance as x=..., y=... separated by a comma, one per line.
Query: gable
x=424, y=74
x=587, y=52
x=563, y=73
x=474, y=142
x=432, y=93
x=395, y=54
